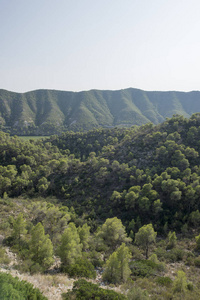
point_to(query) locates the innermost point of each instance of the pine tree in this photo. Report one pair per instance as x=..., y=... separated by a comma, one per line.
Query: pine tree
x=180, y=282
x=41, y=248
x=171, y=240
x=117, y=266
x=84, y=234
x=124, y=256
x=19, y=229
x=197, y=238
x=111, y=273
x=144, y=237
x=70, y=248
x=113, y=233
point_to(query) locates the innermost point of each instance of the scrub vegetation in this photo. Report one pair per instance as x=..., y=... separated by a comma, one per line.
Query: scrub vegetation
x=116, y=209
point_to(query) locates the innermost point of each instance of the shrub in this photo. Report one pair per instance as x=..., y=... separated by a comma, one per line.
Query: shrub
x=190, y=261
x=95, y=258
x=83, y=268
x=4, y=259
x=83, y=290
x=160, y=252
x=36, y=268
x=197, y=262
x=142, y=268
x=165, y=281
x=146, y=268
x=13, y=288
x=197, y=238
x=29, y=266
x=190, y=286
x=180, y=283
x=171, y=240
x=136, y=293
x=174, y=255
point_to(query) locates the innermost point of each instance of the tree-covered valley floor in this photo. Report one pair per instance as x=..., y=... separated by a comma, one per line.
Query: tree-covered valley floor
x=120, y=203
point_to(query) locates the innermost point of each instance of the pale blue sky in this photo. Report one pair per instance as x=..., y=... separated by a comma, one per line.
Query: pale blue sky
x=99, y=44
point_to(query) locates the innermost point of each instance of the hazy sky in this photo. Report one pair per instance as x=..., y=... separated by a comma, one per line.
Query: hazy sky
x=99, y=44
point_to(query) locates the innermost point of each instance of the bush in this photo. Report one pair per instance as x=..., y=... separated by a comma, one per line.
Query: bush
x=197, y=262
x=190, y=286
x=4, y=259
x=83, y=290
x=36, y=268
x=136, y=293
x=29, y=266
x=145, y=268
x=190, y=261
x=164, y=281
x=142, y=268
x=83, y=268
x=174, y=255
x=180, y=283
x=95, y=258
x=13, y=288
x=160, y=252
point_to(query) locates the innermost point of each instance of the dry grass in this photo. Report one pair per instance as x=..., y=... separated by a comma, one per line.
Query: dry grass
x=52, y=286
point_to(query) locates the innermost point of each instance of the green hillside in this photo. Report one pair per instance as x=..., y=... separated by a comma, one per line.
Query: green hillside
x=120, y=206
x=45, y=112
x=96, y=172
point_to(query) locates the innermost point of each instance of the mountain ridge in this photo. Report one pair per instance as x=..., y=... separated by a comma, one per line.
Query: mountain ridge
x=44, y=110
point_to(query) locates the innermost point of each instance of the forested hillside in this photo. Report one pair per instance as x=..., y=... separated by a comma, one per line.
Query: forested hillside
x=123, y=203
x=148, y=173
x=46, y=112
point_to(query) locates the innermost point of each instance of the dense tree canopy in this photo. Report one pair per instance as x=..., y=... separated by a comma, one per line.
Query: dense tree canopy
x=96, y=201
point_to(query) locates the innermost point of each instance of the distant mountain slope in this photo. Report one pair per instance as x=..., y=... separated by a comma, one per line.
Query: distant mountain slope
x=46, y=111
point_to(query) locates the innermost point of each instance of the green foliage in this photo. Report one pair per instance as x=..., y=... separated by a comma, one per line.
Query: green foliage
x=81, y=268
x=70, y=247
x=19, y=229
x=194, y=218
x=164, y=281
x=13, y=288
x=91, y=109
x=131, y=199
x=171, y=240
x=4, y=259
x=145, y=268
x=180, y=283
x=197, y=238
x=197, y=262
x=132, y=174
x=111, y=273
x=41, y=248
x=83, y=290
x=84, y=234
x=117, y=266
x=154, y=258
x=145, y=237
x=137, y=176
x=139, y=268
x=136, y=293
x=175, y=255
x=113, y=233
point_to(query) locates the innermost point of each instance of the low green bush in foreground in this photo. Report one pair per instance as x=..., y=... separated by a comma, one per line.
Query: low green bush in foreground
x=83, y=290
x=13, y=288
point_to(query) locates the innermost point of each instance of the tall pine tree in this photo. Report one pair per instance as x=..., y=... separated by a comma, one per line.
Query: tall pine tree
x=41, y=248
x=70, y=248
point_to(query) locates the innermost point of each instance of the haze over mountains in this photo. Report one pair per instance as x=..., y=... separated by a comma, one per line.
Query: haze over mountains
x=47, y=109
